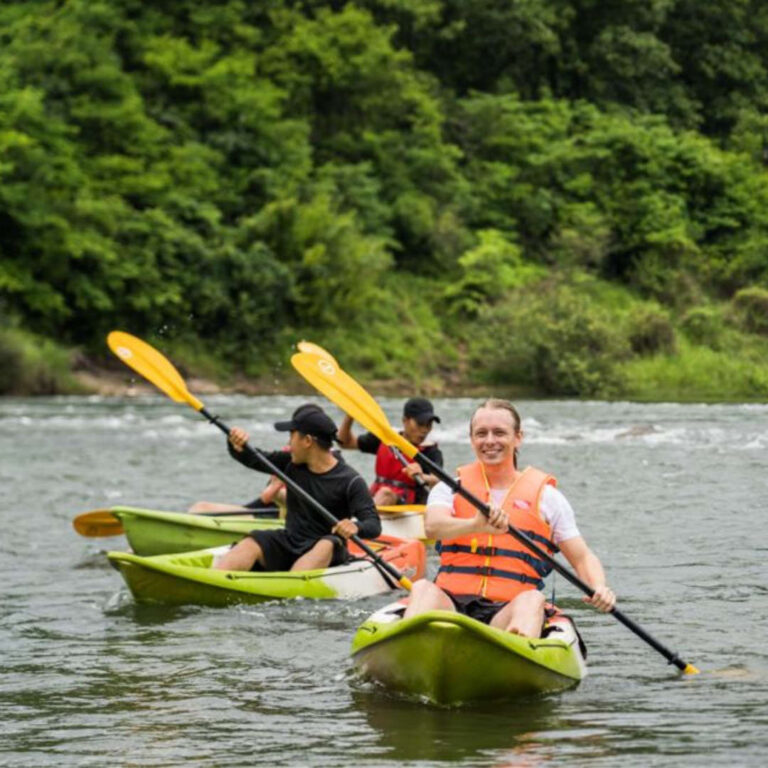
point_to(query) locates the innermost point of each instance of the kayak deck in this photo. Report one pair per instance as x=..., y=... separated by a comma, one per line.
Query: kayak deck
x=449, y=659
x=190, y=579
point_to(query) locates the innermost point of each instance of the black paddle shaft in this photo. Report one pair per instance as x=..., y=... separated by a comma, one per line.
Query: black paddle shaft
x=398, y=454
x=390, y=570
x=671, y=657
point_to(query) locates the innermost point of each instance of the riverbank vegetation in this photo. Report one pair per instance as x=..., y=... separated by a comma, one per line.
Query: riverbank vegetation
x=557, y=199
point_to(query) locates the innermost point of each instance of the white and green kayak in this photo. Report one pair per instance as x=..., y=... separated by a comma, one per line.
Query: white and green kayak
x=449, y=659
x=189, y=578
x=154, y=532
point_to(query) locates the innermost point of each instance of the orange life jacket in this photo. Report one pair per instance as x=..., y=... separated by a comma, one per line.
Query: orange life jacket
x=497, y=566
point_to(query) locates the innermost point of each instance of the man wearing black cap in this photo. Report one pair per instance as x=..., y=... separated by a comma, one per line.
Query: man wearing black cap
x=307, y=542
x=396, y=478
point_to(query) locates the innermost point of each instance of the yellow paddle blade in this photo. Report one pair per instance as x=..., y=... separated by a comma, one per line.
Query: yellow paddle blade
x=340, y=388
x=691, y=670
x=403, y=509
x=99, y=522
x=152, y=365
x=316, y=349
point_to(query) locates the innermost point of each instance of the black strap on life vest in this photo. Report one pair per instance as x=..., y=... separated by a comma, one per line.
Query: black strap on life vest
x=542, y=567
x=396, y=483
x=491, y=572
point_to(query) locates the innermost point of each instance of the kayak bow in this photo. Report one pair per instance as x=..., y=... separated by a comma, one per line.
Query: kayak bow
x=447, y=658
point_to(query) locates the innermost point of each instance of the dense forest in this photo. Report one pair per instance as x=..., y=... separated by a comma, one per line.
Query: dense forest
x=554, y=197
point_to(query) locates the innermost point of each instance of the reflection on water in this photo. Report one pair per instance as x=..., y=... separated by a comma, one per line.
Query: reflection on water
x=671, y=497
x=410, y=731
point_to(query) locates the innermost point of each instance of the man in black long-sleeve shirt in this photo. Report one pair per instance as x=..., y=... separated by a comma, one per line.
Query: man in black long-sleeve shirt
x=308, y=541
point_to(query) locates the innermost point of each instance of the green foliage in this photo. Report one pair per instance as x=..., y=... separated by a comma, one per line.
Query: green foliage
x=651, y=331
x=33, y=365
x=698, y=373
x=750, y=309
x=394, y=176
x=704, y=325
x=488, y=272
x=554, y=338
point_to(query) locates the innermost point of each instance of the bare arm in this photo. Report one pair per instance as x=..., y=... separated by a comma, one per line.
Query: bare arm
x=344, y=436
x=414, y=470
x=590, y=570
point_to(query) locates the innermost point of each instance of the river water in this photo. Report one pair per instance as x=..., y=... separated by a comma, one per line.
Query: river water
x=673, y=498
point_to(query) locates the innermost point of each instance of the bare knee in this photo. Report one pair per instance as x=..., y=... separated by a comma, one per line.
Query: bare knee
x=320, y=556
x=523, y=615
x=242, y=557
x=425, y=596
x=384, y=497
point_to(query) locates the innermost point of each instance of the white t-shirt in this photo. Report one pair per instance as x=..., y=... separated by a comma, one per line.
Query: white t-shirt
x=554, y=507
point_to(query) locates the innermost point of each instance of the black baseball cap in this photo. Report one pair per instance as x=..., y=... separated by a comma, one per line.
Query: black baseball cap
x=421, y=409
x=309, y=419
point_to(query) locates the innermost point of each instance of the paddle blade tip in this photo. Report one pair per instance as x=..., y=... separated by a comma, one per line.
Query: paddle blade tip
x=691, y=670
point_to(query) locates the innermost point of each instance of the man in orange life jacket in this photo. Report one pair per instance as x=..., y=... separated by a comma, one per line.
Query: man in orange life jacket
x=484, y=571
x=398, y=482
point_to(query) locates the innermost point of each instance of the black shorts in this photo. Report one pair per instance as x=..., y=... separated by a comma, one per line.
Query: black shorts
x=476, y=607
x=280, y=553
x=258, y=504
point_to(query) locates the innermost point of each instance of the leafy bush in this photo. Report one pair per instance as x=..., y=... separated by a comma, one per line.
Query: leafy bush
x=651, y=331
x=750, y=309
x=554, y=339
x=703, y=325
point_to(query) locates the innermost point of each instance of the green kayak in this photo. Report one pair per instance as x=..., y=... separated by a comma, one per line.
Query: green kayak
x=447, y=658
x=151, y=532
x=189, y=579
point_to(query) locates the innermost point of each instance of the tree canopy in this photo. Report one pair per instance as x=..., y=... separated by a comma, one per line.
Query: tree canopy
x=389, y=175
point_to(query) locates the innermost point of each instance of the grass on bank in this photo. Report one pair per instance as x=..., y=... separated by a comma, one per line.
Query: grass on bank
x=33, y=365
x=700, y=374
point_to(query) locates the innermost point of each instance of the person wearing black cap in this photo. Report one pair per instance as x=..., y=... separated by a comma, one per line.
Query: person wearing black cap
x=396, y=477
x=307, y=541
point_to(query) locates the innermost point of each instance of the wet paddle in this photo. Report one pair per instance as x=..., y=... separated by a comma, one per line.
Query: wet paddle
x=329, y=379
x=154, y=367
x=103, y=522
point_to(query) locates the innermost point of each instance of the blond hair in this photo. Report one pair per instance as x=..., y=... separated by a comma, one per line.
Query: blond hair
x=497, y=404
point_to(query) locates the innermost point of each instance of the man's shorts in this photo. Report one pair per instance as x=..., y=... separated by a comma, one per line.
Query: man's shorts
x=479, y=608
x=280, y=553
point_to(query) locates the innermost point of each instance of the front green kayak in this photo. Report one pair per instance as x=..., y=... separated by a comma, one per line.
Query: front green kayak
x=450, y=659
x=189, y=578
x=152, y=532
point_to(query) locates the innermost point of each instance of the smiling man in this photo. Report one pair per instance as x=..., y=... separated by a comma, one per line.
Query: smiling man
x=485, y=572
x=307, y=541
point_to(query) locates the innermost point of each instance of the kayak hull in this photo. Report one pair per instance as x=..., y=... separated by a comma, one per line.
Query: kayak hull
x=153, y=532
x=450, y=659
x=189, y=579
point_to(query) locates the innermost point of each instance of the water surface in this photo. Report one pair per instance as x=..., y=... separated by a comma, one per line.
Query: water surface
x=673, y=498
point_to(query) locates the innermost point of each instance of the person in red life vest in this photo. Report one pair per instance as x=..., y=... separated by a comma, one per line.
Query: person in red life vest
x=485, y=572
x=397, y=478
x=308, y=541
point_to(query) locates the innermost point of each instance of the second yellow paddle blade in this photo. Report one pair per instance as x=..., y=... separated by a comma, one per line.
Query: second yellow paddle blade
x=341, y=389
